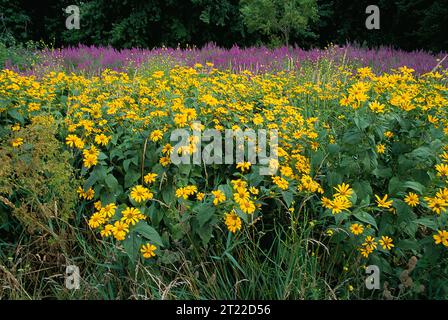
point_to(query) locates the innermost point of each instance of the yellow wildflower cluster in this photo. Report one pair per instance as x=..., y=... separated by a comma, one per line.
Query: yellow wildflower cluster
x=117, y=127
x=341, y=199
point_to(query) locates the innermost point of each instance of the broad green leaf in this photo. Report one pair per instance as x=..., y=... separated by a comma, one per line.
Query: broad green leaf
x=205, y=213
x=365, y=217
x=149, y=233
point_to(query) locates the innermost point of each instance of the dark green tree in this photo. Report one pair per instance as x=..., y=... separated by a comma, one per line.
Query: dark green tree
x=279, y=17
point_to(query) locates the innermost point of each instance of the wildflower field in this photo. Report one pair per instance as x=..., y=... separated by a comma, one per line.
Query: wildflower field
x=361, y=178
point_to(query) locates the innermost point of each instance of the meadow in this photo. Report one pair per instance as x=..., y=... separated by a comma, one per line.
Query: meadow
x=87, y=178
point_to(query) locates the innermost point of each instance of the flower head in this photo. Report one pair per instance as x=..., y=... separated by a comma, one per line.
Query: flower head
x=412, y=199
x=233, y=222
x=357, y=229
x=386, y=242
x=147, y=250
x=383, y=202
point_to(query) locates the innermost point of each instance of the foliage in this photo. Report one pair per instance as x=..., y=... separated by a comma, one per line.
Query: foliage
x=273, y=17
x=35, y=182
x=406, y=24
x=361, y=175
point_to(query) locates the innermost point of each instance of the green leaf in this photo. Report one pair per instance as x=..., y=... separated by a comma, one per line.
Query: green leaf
x=13, y=113
x=184, y=169
x=382, y=172
x=408, y=244
x=414, y=186
x=352, y=137
x=169, y=257
x=102, y=156
x=130, y=178
x=317, y=158
x=111, y=182
x=205, y=233
x=132, y=246
x=427, y=222
x=205, y=213
x=149, y=233
x=333, y=149
x=365, y=217
x=395, y=185
x=168, y=195
x=288, y=197
x=422, y=153
x=334, y=178
x=363, y=189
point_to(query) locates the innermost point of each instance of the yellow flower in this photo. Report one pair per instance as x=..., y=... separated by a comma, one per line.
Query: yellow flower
x=383, y=202
x=412, y=199
x=150, y=178
x=441, y=237
x=185, y=192
x=238, y=183
x=380, y=148
x=219, y=197
x=17, y=142
x=90, y=157
x=71, y=140
x=96, y=220
x=200, y=196
x=233, y=222
x=87, y=195
x=343, y=190
x=167, y=149
x=182, y=193
x=74, y=141
x=253, y=190
x=165, y=161
x=357, y=229
x=388, y=134
x=247, y=206
x=366, y=251
x=131, y=216
x=442, y=194
x=376, y=107
x=327, y=203
x=437, y=205
x=280, y=182
x=15, y=127
x=158, y=74
x=386, y=242
x=147, y=250
x=191, y=190
x=90, y=161
x=444, y=156
x=241, y=195
x=119, y=230
x=340, y=204
x=140, y=193
x=102, y=139
x=370, y=242
x=243, y=166
x=109, y=210
x=98, y=205
x=156, y=135
x=442, y=170
x=107, y=231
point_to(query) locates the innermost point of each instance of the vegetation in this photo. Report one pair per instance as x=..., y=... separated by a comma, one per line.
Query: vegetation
x=357, y=173
x=406, y=24
x=361, y=179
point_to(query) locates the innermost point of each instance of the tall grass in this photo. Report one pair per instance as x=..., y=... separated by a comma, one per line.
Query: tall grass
x=280, y=263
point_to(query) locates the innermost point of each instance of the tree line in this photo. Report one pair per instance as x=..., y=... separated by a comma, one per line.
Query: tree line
x=406, y=24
